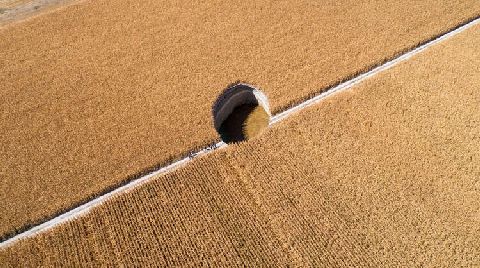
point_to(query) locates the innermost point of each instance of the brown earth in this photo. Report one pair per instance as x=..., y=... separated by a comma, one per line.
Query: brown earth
x=12, y=11
x=103, y=91
x=4, y=4
x=384, y=175
x=15, y=4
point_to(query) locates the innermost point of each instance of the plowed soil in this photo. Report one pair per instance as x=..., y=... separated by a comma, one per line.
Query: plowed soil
x=101, y=92
x=386, y=174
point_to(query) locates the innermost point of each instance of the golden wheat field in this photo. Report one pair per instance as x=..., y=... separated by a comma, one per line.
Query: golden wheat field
x=113, y=115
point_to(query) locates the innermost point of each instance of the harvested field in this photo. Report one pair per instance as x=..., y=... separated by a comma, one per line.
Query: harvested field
x=386, y=174
x=103, y=91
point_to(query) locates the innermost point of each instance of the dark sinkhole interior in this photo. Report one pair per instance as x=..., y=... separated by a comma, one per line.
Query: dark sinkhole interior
x=241, y=112
x=232, y=129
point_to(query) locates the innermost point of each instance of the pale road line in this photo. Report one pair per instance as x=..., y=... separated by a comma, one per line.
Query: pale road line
x=81, y=210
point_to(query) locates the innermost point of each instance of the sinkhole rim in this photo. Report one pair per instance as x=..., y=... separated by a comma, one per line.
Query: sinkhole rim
x=236, y=95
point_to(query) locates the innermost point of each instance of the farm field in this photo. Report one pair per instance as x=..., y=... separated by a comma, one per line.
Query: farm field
x=383, y=174
x=104, y=91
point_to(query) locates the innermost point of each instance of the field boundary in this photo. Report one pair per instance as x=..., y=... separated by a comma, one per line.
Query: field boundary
x=84, y=208
x=31, y=9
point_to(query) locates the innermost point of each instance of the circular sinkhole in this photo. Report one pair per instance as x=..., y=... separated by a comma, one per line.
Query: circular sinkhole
x=240, y=113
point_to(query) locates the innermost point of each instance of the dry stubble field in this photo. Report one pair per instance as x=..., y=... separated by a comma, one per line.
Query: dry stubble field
x=385, y=174
x=102, y=91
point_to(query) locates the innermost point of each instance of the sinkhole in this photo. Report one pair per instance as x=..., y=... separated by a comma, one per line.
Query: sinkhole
x=240, y=113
